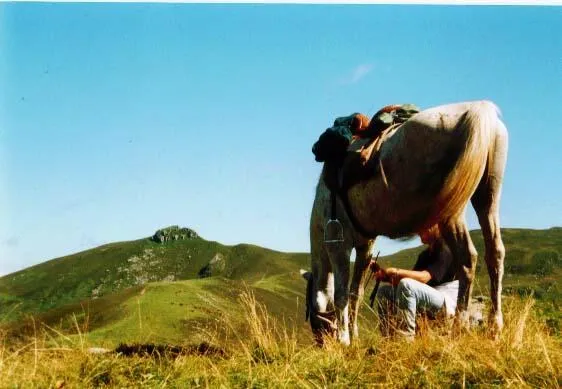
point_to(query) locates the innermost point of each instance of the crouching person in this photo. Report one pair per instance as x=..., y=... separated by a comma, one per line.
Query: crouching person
x=430, y=287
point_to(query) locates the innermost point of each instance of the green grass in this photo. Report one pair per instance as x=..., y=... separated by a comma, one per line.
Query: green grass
x=169, y=312
x=165, y=312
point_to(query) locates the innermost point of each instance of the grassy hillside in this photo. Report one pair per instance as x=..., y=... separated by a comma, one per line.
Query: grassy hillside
x=145, y=291
x=181, y=312
x=111, y=268
x=524, y=248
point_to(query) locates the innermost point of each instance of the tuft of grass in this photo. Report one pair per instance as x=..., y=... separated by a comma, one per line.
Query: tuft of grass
x=270, y=354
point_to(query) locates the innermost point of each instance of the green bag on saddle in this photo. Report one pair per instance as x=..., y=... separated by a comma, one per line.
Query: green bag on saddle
x=387, y=116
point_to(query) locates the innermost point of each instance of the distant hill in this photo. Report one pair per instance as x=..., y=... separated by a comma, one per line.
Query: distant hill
x=114, y=267
x=149, y=291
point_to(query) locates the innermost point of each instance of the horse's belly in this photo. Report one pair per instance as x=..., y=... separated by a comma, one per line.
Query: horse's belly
x=388, y=213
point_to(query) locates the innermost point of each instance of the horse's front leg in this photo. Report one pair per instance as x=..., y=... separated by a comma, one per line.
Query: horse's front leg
x=339, y=258
x=357, y=287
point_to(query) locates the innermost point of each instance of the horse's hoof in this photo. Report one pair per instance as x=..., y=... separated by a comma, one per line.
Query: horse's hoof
x=495, y=325
x=344, y=338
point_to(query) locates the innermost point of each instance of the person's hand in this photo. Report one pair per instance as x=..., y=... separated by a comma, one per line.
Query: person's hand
x=392, y=271
x=393, y=276
x=374, y=266
x=380, y=275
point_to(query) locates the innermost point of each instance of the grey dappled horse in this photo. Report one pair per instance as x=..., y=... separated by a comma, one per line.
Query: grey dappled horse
x=427, y=171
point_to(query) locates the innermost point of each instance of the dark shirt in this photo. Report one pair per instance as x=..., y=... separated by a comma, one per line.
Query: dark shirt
x=438, y=261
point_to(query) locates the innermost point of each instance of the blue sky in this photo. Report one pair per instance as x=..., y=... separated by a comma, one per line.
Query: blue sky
x=119, y=119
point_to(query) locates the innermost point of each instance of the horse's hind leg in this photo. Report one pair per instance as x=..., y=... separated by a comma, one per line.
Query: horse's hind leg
x=486, y=201
x=455, y=233
x=495, y=253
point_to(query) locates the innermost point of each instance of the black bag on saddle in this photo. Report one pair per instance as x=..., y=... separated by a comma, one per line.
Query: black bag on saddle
x=333, y=143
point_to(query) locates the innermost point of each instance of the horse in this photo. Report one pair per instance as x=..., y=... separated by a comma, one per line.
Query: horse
x=424, y=174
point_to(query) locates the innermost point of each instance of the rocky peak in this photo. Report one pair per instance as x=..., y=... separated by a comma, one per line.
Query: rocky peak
x=174, y=233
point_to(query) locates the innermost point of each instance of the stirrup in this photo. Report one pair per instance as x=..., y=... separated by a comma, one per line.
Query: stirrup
x=333, y=232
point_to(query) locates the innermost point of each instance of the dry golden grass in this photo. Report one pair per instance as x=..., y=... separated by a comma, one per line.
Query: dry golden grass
x=270, y=354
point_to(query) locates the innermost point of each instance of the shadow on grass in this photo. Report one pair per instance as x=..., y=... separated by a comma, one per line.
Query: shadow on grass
x=169, y=351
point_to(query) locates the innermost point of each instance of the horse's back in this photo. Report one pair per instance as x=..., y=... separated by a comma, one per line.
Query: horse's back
x=425, y=148
x=421, y=157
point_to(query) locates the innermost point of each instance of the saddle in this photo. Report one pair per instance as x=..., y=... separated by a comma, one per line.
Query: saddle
x=350, y=151
x=368, y=139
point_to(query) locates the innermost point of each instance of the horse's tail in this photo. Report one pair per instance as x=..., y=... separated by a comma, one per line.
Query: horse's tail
x=477, y=128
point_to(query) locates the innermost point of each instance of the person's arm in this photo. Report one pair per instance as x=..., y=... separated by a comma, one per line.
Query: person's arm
x=395, y=275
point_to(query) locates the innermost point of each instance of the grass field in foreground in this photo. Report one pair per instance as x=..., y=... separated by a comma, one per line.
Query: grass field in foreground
x=48, y=322
x=270, y=355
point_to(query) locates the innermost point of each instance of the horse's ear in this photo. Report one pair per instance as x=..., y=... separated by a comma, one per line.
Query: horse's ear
x=359, y=123
x=306, y=274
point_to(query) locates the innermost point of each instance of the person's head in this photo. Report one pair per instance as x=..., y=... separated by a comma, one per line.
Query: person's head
x=430, y=235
